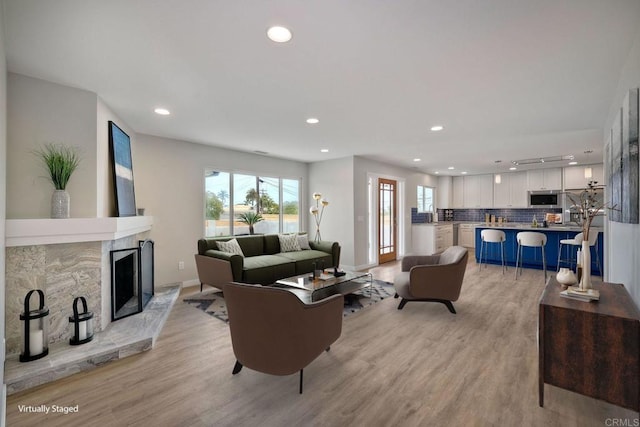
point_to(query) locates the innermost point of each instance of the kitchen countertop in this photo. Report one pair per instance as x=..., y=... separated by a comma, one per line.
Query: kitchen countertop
x=521, y=226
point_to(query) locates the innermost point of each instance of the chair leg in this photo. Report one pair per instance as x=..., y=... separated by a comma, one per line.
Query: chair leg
x=559, y=253
x=237, y=368
x=449, y=305
x=301, y=380
x=481, y=247
x=200, y=286
x=544, y=263
x=402, y=304
x=396, y=295
x=517, y=259
x=504, y=267
x=599, y=265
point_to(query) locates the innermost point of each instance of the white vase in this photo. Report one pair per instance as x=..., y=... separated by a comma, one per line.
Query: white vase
x=60, y=204
x=566, y=277
x=585, y=281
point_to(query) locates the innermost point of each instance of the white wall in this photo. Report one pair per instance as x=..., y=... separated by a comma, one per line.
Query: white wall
x=623, y=240
x=169, y=184
x=334, y=180
x=42, y=112
x=3, y=198
x=363, y=168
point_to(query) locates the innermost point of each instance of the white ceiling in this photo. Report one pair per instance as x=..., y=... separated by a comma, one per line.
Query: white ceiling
x=509, y=79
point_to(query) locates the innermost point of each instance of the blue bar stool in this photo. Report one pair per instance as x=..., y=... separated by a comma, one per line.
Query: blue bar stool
x=534, y=240
x=492, y=236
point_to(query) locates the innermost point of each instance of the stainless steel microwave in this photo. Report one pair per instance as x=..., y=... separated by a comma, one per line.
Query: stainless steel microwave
x=545, y=199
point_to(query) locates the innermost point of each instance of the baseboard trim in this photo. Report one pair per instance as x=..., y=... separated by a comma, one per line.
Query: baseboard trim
x=192, y=282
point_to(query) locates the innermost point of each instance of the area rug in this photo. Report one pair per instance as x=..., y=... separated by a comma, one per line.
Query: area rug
x=212, y=301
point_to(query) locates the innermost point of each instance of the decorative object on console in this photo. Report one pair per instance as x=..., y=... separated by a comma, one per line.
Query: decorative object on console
x=35, y=343
x=566, y=277
x=250, y=218
x=317, y=212
x=61, y=161
x=82, y=323
x=588, y=206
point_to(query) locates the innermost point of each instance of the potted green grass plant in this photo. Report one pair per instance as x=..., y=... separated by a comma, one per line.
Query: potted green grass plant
x=60, y=161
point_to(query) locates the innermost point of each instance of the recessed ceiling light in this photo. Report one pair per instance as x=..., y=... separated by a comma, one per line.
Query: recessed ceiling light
x=436, y=172
x=512, y=168
x=279, y=34
x=324, y=150
x=162, y=111
x=437, y=128
x=463, y=173
x=451, y=168
x=312, y=120
x=573, y=163
x=416, y=159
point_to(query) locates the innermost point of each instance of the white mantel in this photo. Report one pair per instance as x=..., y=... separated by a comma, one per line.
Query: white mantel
x=26, y=232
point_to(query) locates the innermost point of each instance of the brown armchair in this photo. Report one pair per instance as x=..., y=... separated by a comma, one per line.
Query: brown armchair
x=435, y=278
x=274, y=332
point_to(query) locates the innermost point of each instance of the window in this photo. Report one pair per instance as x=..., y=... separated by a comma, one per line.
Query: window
x=425, y=199
x=229, y=195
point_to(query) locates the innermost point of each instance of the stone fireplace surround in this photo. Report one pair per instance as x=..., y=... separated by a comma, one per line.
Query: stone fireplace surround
x=67, y=258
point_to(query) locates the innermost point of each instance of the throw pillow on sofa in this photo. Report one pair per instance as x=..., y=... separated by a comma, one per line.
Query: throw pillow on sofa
x=303, y=242
x=232, y=246
x=289, y=243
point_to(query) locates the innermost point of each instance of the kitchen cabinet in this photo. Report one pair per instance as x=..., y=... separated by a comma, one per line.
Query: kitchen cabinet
x=544, y=179
x=478, y=191
x=458, y=192
x=467, y=235
x=431, y=239
x=511, y=192
x=444, y=192
x=574, y=176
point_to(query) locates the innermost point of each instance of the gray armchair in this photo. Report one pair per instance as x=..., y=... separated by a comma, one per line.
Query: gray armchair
x=435, y=278
x=274, y=332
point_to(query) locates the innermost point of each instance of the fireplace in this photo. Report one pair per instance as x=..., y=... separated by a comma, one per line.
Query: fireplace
x=132, y=279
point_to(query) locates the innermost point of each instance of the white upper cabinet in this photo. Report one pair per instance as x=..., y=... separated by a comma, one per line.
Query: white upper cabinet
x=511, y=192
x=544, y=179
x=458, y=192
x=444, y=192
x=478, y=191
x=574, y=176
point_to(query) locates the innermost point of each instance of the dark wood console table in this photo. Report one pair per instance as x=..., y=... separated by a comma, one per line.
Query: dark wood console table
x=591, y=348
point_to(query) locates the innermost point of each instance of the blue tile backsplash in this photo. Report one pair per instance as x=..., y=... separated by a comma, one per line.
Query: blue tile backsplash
x=512, y=215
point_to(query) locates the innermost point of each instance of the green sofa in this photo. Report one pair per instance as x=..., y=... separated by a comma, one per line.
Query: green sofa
x=263, y=262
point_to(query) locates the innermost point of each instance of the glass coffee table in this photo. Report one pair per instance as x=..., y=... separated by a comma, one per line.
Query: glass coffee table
x=309, y=290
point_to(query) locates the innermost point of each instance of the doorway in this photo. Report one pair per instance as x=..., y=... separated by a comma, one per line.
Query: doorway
x=387, y=220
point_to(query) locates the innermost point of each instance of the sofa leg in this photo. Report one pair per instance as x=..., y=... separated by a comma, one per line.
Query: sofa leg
x=402, y=303
x=201, y=286
x=237, y=368
x=396, y=295
x=328, y=348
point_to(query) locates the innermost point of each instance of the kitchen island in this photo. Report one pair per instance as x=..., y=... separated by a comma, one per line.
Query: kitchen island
x=532, y=257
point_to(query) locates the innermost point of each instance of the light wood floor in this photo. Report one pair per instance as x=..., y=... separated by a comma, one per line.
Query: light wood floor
x=421, y=366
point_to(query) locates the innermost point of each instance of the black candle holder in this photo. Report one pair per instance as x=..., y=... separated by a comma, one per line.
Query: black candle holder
x=35, y=343
x=82, y=323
